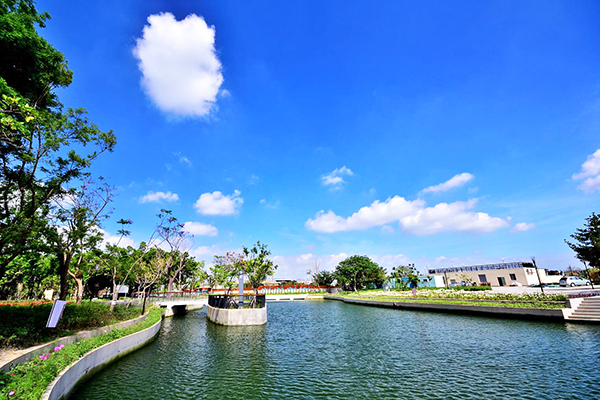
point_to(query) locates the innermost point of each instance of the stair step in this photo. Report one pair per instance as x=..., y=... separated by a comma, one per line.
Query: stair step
x=585, y=318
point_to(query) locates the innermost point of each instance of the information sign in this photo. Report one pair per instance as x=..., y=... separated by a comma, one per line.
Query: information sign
x=57, y=309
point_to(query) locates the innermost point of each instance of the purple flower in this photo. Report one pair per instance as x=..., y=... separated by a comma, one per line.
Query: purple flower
x=42, y=357
x=11, y=392
x=84, y=335
x=12, y=374
x=57, y=348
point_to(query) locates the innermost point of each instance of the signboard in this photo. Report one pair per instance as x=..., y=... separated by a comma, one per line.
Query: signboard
x=57, y=309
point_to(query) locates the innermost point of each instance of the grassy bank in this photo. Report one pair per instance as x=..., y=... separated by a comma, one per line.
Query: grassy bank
x=557, y=305
x=24, y=324
x=30, y=380
x=476, y=298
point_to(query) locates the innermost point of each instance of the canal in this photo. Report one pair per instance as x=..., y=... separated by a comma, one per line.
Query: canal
x=328, y=349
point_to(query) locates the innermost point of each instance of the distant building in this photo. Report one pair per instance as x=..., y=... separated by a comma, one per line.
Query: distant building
x=501, y=274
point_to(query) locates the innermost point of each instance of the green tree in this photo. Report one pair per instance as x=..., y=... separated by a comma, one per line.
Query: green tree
x=256, y=264
x=43, y=147
x=323, y=278
x=405, y=271
x=586, y=241
x=355, y=272
x=75, y=219
x=225, y=270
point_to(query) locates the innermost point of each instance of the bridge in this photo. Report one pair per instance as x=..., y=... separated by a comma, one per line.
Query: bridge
x=182, y=306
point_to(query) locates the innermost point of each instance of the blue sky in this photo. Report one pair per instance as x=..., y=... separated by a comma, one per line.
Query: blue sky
x=440, y=133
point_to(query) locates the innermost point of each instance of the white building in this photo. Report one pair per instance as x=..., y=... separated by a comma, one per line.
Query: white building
x=502, y=274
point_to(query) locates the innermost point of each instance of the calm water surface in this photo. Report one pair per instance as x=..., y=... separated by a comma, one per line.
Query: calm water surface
x=329, y=349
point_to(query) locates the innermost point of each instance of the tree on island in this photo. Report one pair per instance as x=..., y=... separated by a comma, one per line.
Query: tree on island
x=256, y=265
x=323, y=278
x=358, y=271
x=586, y=241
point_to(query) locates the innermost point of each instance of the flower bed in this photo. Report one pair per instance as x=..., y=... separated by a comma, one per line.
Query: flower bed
x=30, y=380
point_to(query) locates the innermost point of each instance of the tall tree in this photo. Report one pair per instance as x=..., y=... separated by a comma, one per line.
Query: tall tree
x=586, y=244
x=355, y=272
x=42, y=146
x=75, y=220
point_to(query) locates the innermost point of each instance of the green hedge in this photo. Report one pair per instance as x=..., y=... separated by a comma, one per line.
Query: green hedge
x=25, y=325
x=30, y=380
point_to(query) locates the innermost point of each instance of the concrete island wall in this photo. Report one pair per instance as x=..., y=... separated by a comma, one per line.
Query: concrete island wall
x=97, y=359
x=546, y=314
x=237, y=317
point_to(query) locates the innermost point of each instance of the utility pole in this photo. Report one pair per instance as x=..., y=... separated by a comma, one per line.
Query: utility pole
x=538, y=274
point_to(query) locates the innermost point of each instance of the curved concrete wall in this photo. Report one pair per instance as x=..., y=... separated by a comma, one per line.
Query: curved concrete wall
x=237, y=317
x=97, y=359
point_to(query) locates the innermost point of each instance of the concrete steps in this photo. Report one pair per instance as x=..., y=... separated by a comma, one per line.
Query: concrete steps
x=587, y=310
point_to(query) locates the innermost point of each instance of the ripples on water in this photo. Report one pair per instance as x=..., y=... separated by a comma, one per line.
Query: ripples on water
x=327, y=349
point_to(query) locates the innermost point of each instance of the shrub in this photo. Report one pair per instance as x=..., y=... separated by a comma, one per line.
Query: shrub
x=24, y=324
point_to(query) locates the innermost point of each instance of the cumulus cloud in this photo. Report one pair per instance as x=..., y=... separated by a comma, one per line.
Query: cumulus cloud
x=391, y=210
x=590, y=171
x=181, y=72
x=412, y=216
x=522, y=227
x=200, y=229
x=216, y=203
x=335, y=178
x=455, y=181
x=157, y=197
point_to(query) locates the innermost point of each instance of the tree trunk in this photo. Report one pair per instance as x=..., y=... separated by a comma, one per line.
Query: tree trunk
x=170, y=287
x=64, y=260
x=79, y=282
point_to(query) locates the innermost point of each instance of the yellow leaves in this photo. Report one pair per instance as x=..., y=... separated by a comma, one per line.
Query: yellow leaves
x=29, y=118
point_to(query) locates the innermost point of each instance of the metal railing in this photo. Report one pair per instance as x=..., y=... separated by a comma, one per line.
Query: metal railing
x=232, y=301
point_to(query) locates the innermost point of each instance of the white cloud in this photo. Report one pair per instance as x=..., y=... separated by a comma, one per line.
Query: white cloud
x=590, y=170
x=447, y=217
x=273, y=206
x=216, y=203
x=455, y=181
x=334, y=178
x=156, y=197
x=393, y=209
x=413, y=218
x=522, y=227
x=200, y=229
x=181, y=72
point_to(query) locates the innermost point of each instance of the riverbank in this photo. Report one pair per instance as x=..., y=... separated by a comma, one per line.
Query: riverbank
x=493, y=309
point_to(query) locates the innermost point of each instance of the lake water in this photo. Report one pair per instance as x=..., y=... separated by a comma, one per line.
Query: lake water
x=329, y=350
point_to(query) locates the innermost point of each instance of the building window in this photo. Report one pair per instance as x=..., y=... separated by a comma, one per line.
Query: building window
x=501, y=281
x=513, y=277
x=482, y=279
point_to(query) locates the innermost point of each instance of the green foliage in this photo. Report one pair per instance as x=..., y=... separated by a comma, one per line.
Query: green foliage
x=38, y=137
x=25, y=325
x=30, y=380
x=586, y=242
x=323, y=278
x=256, y=265
x=356, y=272
x=409, y=272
